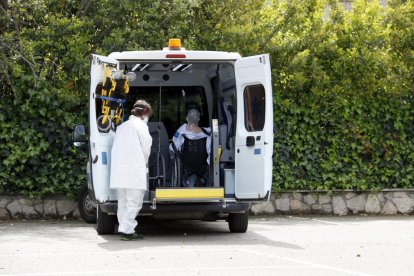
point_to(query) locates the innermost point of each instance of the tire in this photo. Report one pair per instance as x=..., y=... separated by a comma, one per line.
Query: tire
x=105, y=224
x=238, y=222
x=87, y=208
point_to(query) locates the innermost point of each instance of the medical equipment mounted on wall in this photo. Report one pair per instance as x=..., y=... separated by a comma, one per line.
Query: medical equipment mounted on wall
x=233, y=95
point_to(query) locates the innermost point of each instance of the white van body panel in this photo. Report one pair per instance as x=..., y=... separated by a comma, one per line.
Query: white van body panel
x=100, y=143
x=253, y=165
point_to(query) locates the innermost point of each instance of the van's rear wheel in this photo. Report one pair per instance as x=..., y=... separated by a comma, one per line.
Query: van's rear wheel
x=105, y=224
x=238, y=222
x=87, y=207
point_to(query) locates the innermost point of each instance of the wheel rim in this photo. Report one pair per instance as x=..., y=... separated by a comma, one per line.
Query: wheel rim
x=89, y=206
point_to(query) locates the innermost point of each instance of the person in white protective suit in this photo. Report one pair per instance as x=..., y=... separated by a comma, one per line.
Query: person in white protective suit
x=129, y=157
x=192, y=131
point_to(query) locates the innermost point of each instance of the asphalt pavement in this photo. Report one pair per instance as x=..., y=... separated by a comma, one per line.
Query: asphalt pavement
x=352, y=245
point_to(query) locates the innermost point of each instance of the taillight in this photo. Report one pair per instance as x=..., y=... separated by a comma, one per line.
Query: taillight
x=175, y=56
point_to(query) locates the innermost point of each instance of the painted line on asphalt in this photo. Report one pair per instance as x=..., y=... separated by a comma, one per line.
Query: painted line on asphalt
x=316, y=265
x=192, y=250
x=326, y=222
x=184, y=269
x=149, y=251
x=125, y=251
x=314, y=219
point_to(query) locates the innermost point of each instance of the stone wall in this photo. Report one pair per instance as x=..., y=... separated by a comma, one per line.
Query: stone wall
x=338, y=203
x=19, y=207
x=289, y=203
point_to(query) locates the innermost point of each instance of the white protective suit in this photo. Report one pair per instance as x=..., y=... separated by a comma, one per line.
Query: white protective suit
x=129, y=156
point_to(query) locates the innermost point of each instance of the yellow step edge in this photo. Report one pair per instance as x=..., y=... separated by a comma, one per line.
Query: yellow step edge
x=188, y=193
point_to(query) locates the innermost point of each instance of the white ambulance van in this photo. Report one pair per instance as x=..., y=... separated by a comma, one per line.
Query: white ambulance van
x=233, y=95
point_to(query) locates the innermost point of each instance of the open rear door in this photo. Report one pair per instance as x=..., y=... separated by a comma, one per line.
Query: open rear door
x=100, y=143
x=254, y=131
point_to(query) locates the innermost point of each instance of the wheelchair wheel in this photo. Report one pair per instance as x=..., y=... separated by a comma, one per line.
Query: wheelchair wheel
x=163, y=170
x=176, y=173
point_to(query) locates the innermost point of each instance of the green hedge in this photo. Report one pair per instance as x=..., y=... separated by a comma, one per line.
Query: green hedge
x=344, y=98
x=343, y=82
x=43, y=74
x=356, y=144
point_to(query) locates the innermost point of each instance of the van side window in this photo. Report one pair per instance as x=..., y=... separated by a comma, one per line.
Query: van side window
x=254, y=106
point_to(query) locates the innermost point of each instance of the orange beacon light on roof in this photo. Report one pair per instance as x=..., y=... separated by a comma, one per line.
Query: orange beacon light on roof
x=174, y=44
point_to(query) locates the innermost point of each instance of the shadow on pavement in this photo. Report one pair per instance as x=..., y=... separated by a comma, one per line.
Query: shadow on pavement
x=188, y=233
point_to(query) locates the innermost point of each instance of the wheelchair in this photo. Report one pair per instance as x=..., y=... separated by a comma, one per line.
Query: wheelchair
x=190, y=162
x=173, y=168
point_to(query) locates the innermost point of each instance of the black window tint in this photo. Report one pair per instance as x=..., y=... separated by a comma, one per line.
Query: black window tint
x=254, y=106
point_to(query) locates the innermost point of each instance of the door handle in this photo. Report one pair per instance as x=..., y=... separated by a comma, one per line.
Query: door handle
x=250, y=141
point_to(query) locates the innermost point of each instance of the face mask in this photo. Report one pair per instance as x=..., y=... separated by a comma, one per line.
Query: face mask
x=145, y=119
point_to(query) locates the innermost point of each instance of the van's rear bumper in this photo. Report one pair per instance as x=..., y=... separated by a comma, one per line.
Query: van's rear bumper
x=111, y=207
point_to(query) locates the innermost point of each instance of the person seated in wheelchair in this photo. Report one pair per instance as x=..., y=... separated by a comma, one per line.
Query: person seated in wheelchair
x=193, y=145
